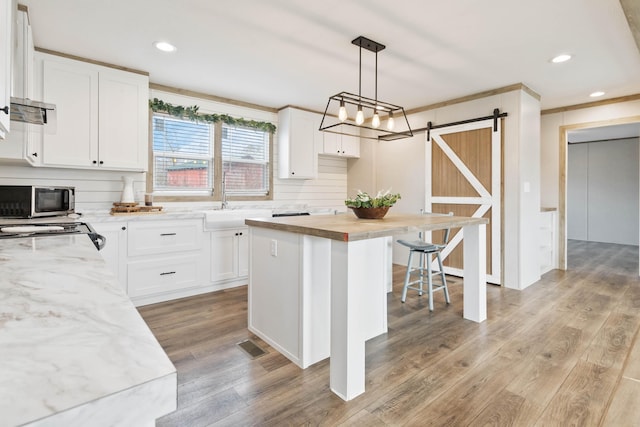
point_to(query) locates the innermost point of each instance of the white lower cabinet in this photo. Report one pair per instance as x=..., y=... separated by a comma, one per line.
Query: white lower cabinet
x=229, y=254
x=159, y=260
x=165, y=258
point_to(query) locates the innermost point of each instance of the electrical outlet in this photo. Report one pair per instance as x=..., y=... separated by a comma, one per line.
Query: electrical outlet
x=274, y=248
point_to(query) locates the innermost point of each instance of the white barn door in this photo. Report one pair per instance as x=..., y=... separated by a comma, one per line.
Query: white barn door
x=463, y=175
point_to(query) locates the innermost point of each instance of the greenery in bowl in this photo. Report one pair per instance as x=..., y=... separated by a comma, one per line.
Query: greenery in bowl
x=364, y=200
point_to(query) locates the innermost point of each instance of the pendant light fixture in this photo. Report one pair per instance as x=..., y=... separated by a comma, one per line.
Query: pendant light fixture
x=347, y=113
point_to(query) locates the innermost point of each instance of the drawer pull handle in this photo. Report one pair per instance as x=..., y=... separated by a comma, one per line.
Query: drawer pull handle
x=167, y=273
x=168, y=234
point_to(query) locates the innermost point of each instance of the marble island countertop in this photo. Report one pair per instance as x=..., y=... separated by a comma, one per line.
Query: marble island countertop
x=348, y=228
x=73, y=348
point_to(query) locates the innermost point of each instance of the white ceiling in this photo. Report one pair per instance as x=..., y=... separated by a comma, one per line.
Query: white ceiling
x=293, y=52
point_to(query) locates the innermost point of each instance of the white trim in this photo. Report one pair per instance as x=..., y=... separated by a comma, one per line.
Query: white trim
x=462, y=200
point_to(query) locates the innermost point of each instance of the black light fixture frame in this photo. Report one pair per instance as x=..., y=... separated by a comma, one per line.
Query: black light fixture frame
x=368, y=103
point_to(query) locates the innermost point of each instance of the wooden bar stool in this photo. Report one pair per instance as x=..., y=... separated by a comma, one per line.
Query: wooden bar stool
x=425, y=250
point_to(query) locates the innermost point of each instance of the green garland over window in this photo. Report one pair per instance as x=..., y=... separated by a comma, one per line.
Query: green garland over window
x=191, y=113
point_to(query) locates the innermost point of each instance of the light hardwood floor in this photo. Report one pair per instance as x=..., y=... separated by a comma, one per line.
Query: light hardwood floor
x=563, y=352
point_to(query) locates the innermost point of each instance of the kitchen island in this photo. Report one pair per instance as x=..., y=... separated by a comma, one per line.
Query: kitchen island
x=317, y=285
x=73, y=349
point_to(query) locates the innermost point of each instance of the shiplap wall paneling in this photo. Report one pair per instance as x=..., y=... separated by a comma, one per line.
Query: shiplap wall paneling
x=329, y=189
x=95, y=190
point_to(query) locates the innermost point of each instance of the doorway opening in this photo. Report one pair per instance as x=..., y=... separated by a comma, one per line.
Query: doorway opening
x=599, y=184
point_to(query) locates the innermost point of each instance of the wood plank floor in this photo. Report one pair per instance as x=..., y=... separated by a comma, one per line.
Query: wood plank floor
x=563, y=352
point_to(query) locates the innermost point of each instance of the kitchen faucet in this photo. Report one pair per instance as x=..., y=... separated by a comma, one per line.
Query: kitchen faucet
x=224, y=190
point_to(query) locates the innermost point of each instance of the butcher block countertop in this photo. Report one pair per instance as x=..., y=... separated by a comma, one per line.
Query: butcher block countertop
x=348, y=228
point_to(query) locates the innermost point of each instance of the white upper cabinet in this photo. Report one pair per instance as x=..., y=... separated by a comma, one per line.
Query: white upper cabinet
x=341, y=145
x=102, y=115
x=7, y=14
x=298, y=142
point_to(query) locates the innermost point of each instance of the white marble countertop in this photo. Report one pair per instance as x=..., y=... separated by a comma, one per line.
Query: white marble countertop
x=72, y=345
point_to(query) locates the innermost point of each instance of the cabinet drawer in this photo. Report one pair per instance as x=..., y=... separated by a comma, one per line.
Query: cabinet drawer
x=148, y=238
x=162, y=275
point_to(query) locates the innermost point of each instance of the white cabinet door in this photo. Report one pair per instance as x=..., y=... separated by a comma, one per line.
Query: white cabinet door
x=20, y=142
x=124, y=121
x=224, y=255
x=332, y=144
x=114, y=252
x=73, y=88
x=298, y=139
x=7, y=13
x=350, y=146
x=229, y=254
x=243, y=252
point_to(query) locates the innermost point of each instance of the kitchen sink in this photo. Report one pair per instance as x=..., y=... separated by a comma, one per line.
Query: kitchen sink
x=231, y=218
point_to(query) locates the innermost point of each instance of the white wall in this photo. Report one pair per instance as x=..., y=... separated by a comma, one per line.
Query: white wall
x=400, y=164
x=602, y=191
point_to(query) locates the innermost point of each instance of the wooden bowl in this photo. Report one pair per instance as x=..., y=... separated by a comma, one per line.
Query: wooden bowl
x=370, y=213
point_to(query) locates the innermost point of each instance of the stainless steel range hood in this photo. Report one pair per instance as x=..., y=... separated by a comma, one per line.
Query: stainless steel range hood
x=34, y=112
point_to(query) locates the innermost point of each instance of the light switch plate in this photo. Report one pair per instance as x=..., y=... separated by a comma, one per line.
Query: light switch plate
x=274, y=248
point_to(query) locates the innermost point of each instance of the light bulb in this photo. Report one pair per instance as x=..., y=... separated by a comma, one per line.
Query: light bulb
x=359, y=116
x=342, y=112
x=375, y=121
x=390, y=123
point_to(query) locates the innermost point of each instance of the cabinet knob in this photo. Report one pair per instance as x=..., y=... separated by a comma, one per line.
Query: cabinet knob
x=101, y=162
x=5, y=109
x=240, y=234
x=94, y=162
x=293, y=173
x=34, y=154
x=124, y=228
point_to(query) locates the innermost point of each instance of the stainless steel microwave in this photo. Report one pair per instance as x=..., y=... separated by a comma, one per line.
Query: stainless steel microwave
x=31, y=201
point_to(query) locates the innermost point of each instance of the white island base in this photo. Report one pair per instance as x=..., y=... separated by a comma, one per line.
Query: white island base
x=313, y=297
x=290, y=291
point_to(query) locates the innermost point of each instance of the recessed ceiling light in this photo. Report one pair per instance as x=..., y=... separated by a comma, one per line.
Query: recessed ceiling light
x=596, y=94
x=561, y=58
x=165, y=47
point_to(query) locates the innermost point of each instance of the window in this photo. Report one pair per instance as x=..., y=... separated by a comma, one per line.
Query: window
x=187, y=156
x=182, y=155
x=245, y=160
